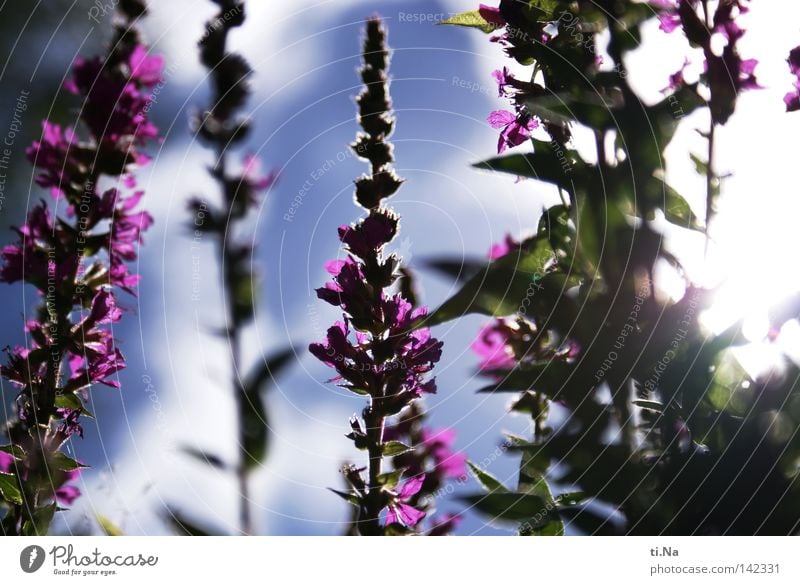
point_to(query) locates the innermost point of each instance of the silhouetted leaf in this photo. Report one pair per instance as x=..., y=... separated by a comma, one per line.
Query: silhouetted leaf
x=487, y=480
x=500, y=288
x=460, y=269
x=253, y=414
x=348, y=497
x=183, y=527
x=508, y=505
x=205, y=457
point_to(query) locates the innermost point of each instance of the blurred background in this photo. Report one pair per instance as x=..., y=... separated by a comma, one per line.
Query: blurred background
x=305, y=54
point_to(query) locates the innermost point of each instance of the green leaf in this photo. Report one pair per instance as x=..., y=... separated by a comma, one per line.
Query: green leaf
x=392, y=478
x=9, y=490
x=487, y=480
x=471, y=19
x=72, y=402
x=543, y=10
x=545, y=163
x=348, y=497
x=590, y=110
x=570, y=498
x=509, y=506
x=392, y=448
x=14, y=450
x=699, y=164
x=731, y=386
x=678, y=211
x=107, y=526
x=39, y=523
x=532, y=481
x=500, y=288
x=64, y=463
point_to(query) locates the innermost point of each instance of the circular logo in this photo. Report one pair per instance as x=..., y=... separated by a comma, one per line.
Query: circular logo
x=31, y=558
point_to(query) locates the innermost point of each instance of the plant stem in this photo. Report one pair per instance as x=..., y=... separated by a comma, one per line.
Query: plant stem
x=710, y=188
x=233, y=334
x=369, y=523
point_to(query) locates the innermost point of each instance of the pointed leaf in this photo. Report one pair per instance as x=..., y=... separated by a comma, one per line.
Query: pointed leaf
x=9, y=490
x=392, y=448
x=107, y=526
x=508, y=505
x=471, y=19
x=487, y=480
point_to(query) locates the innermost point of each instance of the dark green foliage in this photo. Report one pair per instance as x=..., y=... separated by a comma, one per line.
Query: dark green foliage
x=662, y=424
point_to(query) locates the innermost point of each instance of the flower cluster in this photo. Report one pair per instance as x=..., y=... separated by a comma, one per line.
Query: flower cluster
x=377, y=349
x=515, y=127
x=726, y=73
x=75, y=262
x=792, y=98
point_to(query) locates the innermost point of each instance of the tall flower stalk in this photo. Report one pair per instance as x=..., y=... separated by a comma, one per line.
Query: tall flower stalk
x=221, y=127
x=374, y=349
x=77, y=262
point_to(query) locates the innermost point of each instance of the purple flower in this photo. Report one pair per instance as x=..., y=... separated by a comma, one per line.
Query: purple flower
x=71, y=424
x=508, y=245
x=67, y=494
x=792, y=99
x=677, y=80
x=516, y=129
x=125, y=238
x=440, y=445
x=492, y=15
x=254, y=176
x=116, y=108
x=6, y=462
x=146, y=69
x=99, y=362
x=104, y=310
x=400, y=511
x=504, y=79
x=56, y=156
x=492, y=346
